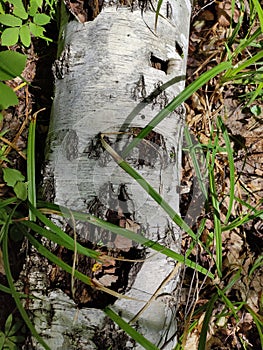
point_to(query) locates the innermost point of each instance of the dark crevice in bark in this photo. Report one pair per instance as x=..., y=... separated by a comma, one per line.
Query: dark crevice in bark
x=84, y=11
x=113, y=274
x=158, y=63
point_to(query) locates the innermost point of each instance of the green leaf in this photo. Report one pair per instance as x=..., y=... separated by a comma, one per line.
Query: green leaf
x=256, y=110
x=12, y=176
x=2, y=11
x=20, y=189
x=259, y=9
x=2, y=340
x=19, y=9
x=10, y=36
x=41, y=19
x=10, y=345
x=10, y=20
x=12, y=64
x=39, y=3
x=7, y=97
x=18, y=324
x=3, y=215
x=205, y=326
x=24, y=34
x=36, y=30
x=17, y=338
x=33, y=7
x=8, y=324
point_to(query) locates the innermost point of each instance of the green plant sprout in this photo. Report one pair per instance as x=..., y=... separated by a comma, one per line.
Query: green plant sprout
x=13, y=336
x=12, y=65
x=22, y=22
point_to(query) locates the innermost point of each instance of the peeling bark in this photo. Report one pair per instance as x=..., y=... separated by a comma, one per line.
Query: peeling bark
x=108, y=80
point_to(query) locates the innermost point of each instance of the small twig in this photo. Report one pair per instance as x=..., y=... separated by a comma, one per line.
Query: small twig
x=168, y=278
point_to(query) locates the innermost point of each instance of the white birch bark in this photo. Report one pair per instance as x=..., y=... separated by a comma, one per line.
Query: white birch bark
x=106, y=70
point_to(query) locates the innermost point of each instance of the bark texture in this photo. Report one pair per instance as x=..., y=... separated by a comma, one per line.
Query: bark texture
x=108, y=80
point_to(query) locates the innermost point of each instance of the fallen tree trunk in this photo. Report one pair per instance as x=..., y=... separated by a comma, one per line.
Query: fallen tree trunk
x=109, y=85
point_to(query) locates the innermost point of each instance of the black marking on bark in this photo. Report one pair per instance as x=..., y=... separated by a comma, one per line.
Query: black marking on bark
x=95, y=150
x=160, y=100
x=169, y=10
x=70, y=145
x=150, y=152
x=61, y=66
x=139, y=90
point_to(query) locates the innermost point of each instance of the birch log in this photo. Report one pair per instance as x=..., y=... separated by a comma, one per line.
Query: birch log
x=108, y=80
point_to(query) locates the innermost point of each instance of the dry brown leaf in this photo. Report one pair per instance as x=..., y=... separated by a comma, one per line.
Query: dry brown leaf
x=108, y=280
x=224, y=13
x=123, y=243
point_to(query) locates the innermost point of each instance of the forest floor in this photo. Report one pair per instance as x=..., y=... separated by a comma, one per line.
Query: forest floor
x=242, y=246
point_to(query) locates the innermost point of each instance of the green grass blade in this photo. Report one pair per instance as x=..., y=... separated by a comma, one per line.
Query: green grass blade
x=7, y=290
x=79, y=275
x=31, y=176
x=257, y=264
x=231, y=73
x=54, y=259
x=130, y=330
x=7, y=202
x=158, y=8
x=241, y=220
x=15, y=294
x=197, y=241
x=56, y=235
x=149, y=189
x=217, y=225
x=177, y=101
x=147, y=100
x=228, y=304
x=128, y=234
x=231, y=164
x=233, y=281
x=258, y=322
x=259, y=12
x=198, y=172
x=208, y=315
x=216, y=209
x=225, y=299
x=247, y=42
x=256, y=93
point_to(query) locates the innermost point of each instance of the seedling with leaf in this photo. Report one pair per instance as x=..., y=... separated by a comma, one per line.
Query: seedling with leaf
x=20, y=22
x=12, y=65
x=15, y=179
x=12, y=337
